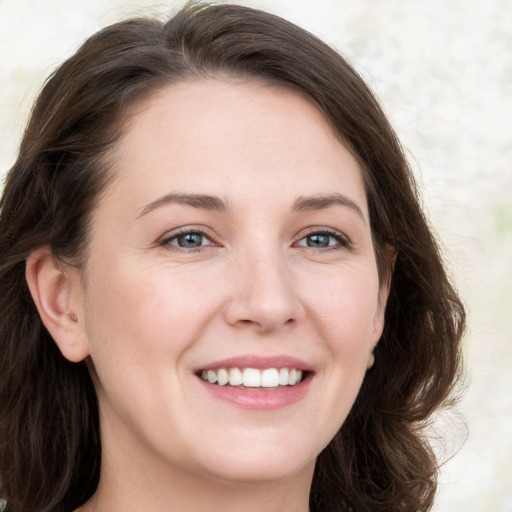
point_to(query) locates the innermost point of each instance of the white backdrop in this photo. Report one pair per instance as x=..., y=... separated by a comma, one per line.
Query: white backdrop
x=443, y=71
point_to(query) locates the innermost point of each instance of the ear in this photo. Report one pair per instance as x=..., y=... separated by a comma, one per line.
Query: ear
x=55, y=290
x=389, y=254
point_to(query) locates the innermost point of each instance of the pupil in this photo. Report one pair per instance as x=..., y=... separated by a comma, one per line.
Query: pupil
x=318, y=241
x=190, y=240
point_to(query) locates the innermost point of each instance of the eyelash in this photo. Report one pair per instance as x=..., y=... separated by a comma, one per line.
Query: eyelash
x=341, y=239
x=167, y=241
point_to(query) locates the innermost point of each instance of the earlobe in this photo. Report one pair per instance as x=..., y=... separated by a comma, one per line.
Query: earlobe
x=376, y=333
x=371, y=360
x=384, y=290
x=390, y=254
x=52, y=289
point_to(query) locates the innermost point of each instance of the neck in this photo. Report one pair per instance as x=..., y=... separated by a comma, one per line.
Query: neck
x=185, y=493
x=130, y=481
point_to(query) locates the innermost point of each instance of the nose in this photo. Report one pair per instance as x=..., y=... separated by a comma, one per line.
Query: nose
x=263, y=295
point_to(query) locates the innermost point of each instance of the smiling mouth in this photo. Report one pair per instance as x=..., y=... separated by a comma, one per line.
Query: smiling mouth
x=253, y=378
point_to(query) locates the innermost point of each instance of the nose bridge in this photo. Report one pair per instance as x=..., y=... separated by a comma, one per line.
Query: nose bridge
x=265, y=296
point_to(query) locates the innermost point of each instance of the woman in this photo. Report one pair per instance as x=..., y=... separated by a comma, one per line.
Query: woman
x=218, y=290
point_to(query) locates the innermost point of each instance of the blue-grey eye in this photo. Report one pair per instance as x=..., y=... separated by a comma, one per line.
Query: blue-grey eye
x=321, y=240
x=190, y=240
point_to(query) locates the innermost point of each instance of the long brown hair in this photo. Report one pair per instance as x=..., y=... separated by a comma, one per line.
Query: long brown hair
x=50, y=449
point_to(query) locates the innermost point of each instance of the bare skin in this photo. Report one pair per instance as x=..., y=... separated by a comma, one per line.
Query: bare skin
x=235, y=233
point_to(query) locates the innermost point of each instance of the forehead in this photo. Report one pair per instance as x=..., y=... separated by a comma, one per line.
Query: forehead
x=219, y=134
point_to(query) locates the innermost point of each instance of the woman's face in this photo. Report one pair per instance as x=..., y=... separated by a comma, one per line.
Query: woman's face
x=233, y=245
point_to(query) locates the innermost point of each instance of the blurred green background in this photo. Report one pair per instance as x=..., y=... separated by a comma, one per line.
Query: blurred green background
x=443, y=72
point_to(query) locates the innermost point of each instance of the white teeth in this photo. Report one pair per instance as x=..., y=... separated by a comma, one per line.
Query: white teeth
x=252, y=377
x=270, y=378
x=283, y=376
x=222, y=377
x=235, y=377
x=212, y=376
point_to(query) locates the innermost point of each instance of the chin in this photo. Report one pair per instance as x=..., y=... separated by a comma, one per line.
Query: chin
x=261, y=471
x=260, y=462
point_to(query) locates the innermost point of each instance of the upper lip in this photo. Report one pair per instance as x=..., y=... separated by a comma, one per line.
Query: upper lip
x=258, y=362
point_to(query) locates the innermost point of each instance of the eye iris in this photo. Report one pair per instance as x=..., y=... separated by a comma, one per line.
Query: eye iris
x=318, y=240
x=190, y=240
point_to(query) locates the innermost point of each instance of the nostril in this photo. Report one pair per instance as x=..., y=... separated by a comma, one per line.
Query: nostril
x=264, y=312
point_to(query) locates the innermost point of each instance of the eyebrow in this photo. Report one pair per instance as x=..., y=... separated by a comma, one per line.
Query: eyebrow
x=323, y=201
x=203, y=201
x=208, y=202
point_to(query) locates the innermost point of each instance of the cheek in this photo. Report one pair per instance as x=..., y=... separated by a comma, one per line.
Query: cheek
x=346, y=307
x=343, y=313
x=140, y=327
x=132, y=312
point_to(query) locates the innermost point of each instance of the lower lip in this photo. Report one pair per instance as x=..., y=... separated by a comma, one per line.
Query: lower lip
x=260, y=398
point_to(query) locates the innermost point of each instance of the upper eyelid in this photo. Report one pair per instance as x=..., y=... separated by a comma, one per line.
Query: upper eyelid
x=175, y=233
x=210, y=235
x=323, y=230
